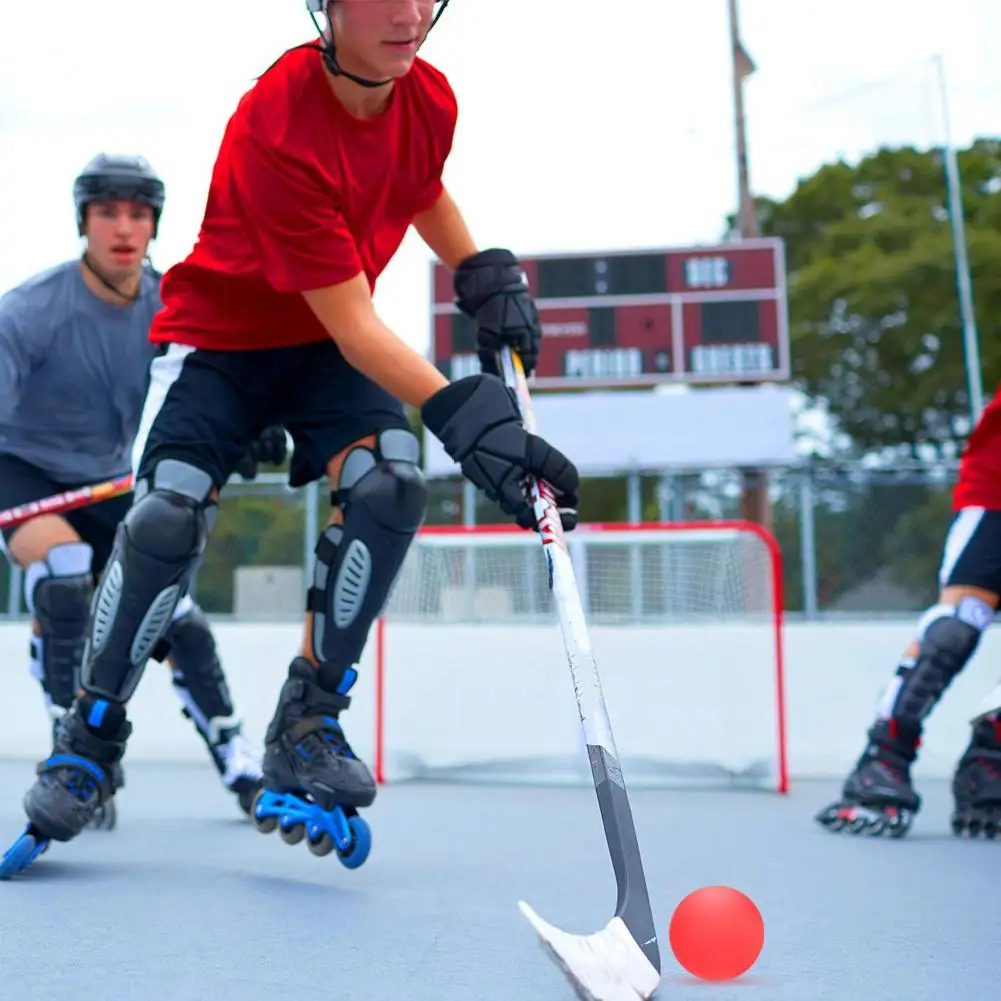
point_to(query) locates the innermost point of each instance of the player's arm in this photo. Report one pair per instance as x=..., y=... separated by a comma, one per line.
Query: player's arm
x=490, y=285
x=348, y=314
x=16, y=354
x=444, y=230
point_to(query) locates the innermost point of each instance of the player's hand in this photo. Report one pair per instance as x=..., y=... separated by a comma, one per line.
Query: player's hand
x=493, y=291
x=478, y=421
x=271, y=448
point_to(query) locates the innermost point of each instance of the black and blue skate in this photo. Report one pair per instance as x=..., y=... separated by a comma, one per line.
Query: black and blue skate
x=314, y=784
x=877, y=798
x=106, y=815
x=976, y=784
x=73, y=784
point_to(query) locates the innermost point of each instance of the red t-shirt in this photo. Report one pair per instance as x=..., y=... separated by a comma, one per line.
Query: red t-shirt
x=304, y=195
x=979, y=483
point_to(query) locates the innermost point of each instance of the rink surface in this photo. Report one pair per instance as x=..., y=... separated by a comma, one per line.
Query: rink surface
x=185, y=901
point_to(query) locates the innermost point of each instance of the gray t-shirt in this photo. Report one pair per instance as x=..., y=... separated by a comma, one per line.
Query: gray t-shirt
x=73, y=374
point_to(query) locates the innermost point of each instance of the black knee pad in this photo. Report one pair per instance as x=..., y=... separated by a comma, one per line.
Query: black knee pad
x=198, y=677
x=383, y=498
x=948, y=636
x=58, y=592
x=157, y=546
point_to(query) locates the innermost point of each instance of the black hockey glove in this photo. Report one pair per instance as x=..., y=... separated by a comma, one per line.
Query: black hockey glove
x=492, y=291
x=478, y=422
x=270, y=448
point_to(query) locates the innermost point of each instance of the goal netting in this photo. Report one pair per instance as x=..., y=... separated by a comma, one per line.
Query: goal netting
x=472, y=682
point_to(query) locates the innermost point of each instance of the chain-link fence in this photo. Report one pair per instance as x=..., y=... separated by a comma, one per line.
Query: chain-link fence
x=856, y=541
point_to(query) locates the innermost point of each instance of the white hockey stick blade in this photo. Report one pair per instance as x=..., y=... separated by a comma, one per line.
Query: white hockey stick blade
x=606, y=966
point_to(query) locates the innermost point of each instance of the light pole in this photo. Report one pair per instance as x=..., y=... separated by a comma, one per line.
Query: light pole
x=964, y=282
x=747, y=215
x=754, y=500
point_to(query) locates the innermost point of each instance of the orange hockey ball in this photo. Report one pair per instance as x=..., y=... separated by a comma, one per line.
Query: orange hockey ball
x=717, y=933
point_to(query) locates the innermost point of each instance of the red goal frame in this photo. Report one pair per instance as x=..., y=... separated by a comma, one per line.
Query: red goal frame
x=620, y=528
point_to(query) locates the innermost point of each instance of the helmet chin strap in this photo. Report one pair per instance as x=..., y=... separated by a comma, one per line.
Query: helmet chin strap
x=330, y=58
x=109, y=285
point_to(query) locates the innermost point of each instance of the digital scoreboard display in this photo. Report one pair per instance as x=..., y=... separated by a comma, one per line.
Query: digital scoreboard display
x=698, y=315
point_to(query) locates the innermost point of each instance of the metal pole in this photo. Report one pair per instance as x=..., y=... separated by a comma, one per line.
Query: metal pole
x=808, y=544
x=469, y=560
x=311, y=532
x=755, y=504
x=964, y=281
x=747, y=216
x=634, y=513
x=14, y=595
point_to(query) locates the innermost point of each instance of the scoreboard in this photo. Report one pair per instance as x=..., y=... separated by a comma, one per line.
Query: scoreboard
x=696, y=315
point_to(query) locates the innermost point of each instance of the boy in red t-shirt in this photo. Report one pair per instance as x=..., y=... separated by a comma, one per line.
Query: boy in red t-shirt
x=878, y=796
x=336, y=151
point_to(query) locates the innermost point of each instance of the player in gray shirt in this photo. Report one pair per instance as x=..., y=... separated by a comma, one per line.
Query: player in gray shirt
x=74, y=370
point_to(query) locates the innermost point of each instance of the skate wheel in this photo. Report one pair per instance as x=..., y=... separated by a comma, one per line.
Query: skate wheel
x=899, y=825
x=246, y=797
x=831, y=817
x=21, y=854
x=860, y=824
x=292, y=834
x=323, y=845
x=105, y=817
x=263, y=821
x=358, y=850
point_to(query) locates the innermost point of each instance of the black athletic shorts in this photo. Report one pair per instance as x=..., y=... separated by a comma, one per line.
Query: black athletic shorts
x=208, y=407
x=972, y=552
x=20, y=482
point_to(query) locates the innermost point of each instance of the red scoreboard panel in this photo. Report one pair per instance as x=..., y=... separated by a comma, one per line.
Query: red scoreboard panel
x=697, y=315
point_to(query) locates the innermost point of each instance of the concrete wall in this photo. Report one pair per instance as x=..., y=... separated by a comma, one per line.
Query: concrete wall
x=457, y=695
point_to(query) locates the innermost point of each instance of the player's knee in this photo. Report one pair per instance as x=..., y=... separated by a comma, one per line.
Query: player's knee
x=190, y=643
x=171, y=516
x=61, y=583
x=157, y=548
x=190, y=629
x=386, y=483
x=198, y=677
x=58, y=592
x=949, y=634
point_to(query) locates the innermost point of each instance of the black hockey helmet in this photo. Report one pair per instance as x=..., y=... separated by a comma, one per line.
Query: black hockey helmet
x=329, y=47
x=129, y=178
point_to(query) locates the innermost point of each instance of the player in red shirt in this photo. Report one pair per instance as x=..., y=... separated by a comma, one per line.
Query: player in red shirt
x=328, y=160
x=878, y=797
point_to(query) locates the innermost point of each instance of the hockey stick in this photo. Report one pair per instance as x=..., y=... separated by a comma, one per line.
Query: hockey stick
x=622, y=961
x=65, y=501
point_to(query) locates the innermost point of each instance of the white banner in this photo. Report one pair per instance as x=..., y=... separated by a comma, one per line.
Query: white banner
x=643, y=430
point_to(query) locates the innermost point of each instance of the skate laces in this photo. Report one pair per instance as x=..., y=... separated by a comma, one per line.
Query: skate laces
x=327, y=739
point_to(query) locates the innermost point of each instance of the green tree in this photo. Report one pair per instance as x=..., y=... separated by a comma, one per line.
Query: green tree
x=874, y=311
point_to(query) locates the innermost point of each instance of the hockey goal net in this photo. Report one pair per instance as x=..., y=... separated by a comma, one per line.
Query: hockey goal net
x=471, y=680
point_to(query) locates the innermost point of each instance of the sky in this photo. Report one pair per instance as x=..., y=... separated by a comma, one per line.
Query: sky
x=584, y=124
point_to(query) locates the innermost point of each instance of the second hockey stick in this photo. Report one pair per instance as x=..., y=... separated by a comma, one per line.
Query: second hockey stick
x=622, y=961
x=68, y=500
